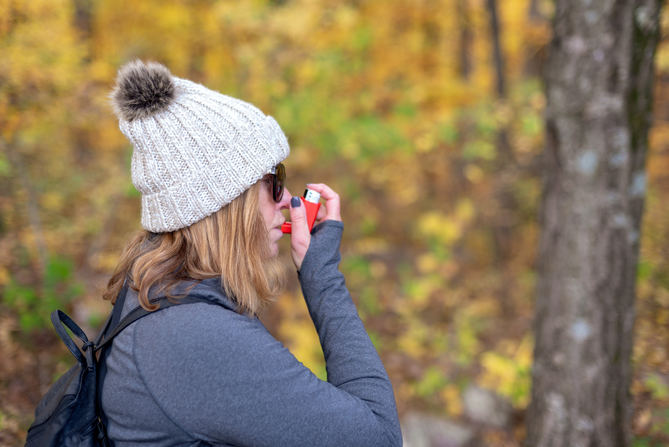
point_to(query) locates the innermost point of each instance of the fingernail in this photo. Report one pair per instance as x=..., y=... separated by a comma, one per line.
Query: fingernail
x=295, y=202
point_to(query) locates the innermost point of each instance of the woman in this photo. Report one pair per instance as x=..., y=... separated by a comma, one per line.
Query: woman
x=209, y=170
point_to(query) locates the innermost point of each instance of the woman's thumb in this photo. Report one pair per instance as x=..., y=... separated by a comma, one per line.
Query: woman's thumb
x=298, y=217
x=300, y=237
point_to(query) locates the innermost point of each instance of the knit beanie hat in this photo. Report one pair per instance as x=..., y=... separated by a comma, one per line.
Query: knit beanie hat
x=195, y=150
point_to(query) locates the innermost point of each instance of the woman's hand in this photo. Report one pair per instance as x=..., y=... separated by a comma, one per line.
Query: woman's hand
x=300, y=235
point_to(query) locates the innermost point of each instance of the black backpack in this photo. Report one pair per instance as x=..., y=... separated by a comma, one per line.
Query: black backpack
x=69, y=414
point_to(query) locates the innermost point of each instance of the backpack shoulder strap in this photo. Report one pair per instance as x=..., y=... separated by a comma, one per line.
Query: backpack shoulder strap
x=115, y=314
x=140, y=312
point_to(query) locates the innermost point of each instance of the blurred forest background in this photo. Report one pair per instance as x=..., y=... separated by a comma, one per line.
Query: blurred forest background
x=426, y=116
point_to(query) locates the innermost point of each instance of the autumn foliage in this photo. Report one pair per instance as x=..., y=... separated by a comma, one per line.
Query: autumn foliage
x=396, y=105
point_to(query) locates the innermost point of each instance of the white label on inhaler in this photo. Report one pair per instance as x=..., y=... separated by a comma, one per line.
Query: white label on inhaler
x=311, y=196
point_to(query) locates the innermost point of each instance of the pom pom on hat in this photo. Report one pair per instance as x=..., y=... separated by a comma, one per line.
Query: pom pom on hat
x=142, y=90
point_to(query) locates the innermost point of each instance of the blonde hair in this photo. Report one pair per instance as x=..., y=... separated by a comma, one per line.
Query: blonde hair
x=232, y=244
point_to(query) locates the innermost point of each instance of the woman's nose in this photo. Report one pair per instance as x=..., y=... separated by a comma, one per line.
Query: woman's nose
x=284, y=203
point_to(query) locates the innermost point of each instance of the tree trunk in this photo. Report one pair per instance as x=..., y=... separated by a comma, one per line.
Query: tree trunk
x=500, y=79
x=83, y=17
x=465, y=42
x=502, y=226
x=599, y=88
x=502, y=144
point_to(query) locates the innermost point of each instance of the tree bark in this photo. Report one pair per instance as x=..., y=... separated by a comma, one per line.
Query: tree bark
x=500, y=79
x=83, y=17
x=465, y=42
x=503, y=146
x=599, y=89
x=502, y=226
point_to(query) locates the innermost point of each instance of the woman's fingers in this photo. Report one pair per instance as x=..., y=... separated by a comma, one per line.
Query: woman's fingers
x=321, y=214
x=300, y=236
x=332, y=203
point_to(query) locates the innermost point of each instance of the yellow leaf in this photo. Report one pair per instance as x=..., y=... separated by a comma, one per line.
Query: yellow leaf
x=435, y=225
x=451, y=396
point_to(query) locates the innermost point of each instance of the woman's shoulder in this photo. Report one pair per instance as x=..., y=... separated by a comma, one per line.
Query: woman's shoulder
x=196, y=326
x=206, y=329
x=208, y=289
x=213, y=310
x=212, y=303
x=205, y=317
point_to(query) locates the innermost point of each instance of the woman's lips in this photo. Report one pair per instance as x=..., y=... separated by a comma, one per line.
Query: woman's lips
x=277, y=229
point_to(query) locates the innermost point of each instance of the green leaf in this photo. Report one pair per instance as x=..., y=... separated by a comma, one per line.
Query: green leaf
x=658, y=388
x=58, y=270
x=405, y=110
x=5, y=168
x=448, y=133
x=641, y=442
x=432, y=381
x=369, y=302
x=30, y=321
x=644, y=270
x=479, y=149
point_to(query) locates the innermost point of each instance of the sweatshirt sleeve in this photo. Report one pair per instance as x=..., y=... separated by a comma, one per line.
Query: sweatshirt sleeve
x=221, y=377
x=352, y=363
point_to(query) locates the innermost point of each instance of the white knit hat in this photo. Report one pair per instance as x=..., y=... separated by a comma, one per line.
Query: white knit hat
x=195, y=150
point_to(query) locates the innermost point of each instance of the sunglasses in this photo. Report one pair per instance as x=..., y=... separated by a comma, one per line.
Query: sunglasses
x=276, y=179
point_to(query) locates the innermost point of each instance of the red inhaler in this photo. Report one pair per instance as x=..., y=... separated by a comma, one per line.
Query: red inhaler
x=311, y=203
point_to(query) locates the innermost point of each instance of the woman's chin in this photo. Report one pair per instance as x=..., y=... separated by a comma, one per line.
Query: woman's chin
x=275, y=235
x=273, y=249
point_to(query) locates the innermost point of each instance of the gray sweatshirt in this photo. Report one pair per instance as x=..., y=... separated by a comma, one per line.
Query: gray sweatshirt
x=198, y=374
